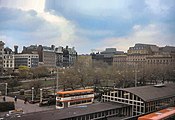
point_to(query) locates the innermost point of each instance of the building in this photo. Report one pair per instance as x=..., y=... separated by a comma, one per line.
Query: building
x=143, y=49
x=52, y=57
x=160, y=60
x=49, y=56
x=72, y=55
x=120, y=60
x=96, y=111
x=106, y=56
x=85, y=58
x=59, y=56
x=30, y=60
x=1, y=57
x=143, y=99
x=69, y=56
x=8, y=59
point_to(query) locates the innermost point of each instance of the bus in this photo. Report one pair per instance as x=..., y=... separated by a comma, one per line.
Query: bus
x=165, y=114
x=66, y=99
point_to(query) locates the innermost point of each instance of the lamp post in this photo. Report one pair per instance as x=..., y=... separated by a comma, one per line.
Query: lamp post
x=57, y=81
x=41, y=95
x=6, y=84
x=32, y=93
x=135, y=65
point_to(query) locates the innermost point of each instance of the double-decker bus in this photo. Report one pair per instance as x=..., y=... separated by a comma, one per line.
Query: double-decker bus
x=75, y=97
x=165, y=114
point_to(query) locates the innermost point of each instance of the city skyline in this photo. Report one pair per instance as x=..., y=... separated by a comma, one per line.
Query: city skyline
x=87, y=25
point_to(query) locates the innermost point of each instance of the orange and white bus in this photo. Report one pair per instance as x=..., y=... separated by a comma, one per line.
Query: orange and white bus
x=75, y=97
x=165, y=114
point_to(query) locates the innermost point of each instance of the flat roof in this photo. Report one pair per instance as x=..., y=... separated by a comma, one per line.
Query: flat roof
x=71, y=111
x=151, y=93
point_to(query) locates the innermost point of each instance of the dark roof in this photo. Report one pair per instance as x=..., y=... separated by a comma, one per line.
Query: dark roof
x=70, y=112
x=151, y=93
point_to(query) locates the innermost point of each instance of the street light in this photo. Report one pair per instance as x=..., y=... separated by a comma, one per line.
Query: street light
x=136, y=67
x=32, y=93
x=6, y=88
x=57, y=80
x=41, y=95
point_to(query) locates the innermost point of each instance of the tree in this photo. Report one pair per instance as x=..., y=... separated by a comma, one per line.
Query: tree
x=14, y=82
x=40, y=72
x=37, y=85
x=24, y=71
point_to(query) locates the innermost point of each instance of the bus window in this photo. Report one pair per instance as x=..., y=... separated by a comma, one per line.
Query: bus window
x=60, y=104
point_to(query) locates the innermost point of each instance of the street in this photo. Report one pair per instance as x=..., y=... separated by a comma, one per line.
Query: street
x=27, y=108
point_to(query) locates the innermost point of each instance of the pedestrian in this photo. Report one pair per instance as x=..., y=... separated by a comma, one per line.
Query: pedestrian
x=15, y=99
x=4, y=99
x=25, y=100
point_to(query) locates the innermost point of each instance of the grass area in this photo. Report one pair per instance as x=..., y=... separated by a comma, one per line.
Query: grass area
x=27, y=85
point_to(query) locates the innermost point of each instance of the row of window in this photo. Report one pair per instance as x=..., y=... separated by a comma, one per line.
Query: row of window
x=120, y=100
x=8, y=61
x=159, y=61
x=80, y=102
x=8, y=65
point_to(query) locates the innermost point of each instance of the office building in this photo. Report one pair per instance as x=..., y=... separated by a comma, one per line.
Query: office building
x=29, y=60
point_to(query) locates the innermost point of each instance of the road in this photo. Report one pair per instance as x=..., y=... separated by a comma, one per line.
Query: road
x=27, y=108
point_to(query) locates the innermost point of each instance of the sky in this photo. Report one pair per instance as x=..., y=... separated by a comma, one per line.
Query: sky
x=87, y=24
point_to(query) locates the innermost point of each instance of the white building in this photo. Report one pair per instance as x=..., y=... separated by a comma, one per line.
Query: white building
x=30, y=60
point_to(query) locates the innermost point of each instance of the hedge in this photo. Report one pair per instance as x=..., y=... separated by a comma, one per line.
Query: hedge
x=6, y=106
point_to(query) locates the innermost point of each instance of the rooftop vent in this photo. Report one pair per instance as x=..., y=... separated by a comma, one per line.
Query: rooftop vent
x=159, y=85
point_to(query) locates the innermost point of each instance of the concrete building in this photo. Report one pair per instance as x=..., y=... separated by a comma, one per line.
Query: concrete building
x=30, y=60
x=8, y=59
x=1, y=57
x=145, y=99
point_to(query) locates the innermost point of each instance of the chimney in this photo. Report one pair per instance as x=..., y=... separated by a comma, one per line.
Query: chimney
x=66, y=47
x=16, y=49
x=53, y=47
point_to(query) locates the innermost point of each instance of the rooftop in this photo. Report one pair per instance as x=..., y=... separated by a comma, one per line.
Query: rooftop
x=70, y=112
x=150, y=93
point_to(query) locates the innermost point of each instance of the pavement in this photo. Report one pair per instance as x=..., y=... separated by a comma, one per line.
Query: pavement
x=26, y=108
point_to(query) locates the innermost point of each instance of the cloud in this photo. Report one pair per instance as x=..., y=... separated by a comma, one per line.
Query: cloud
x=149, y=34
x=33, y=27
x=87, y=24
x=159, y=7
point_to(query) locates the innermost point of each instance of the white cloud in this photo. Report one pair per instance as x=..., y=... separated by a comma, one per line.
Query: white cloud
x=37, y=5
x=150, y=34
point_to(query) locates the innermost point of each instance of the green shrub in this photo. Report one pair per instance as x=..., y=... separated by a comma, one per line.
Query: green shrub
x=6, y=106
